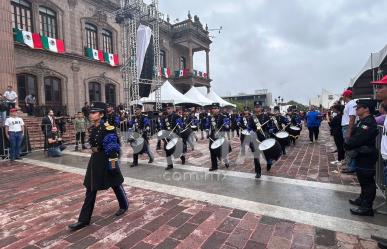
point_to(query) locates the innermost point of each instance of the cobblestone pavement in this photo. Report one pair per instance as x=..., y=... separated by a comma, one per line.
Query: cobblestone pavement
x=37, y=203
x=305, y=161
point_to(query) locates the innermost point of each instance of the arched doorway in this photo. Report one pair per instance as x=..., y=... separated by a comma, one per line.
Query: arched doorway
x=26, y=84
x=53, y=92
x=94, y=92
x=110, y=94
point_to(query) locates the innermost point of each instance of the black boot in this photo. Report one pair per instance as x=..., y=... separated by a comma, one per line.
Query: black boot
x=169, y=167
x=227, y=165
x=213, y=169
x=268, y=167
x=77, y=226
x=362, y=211
x=135, y=161
x=355, y=202
x=182, y=159
x=258, y=175
x=151, y=160
x=120, y=211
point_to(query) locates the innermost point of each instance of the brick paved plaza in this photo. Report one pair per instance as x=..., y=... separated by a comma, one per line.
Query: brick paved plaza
x=38, y=203
x=41, y=196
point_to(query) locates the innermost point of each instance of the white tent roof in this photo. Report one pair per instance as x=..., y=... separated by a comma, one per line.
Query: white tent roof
x=215, y=98
x=198, y=97
x=169, y=94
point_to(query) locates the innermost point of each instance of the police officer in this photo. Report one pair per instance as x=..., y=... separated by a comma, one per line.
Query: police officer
x=103, y=171
x=140, y=124
x=171, y=123
x=111, y=116
x=361, y=148
x=215, y=125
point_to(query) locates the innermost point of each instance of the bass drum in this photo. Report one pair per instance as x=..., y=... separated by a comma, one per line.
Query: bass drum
x=217, y=143
x=283, y=138
x=171, y=144
x=271, y=148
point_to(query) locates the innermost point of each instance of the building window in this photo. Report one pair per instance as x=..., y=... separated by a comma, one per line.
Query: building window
x=107, y=41
x=48, y=23
x=91, y=36
x=163, y=59
x=183, y=63
x=21, y=15
x=26, y=84
x=110, y=94
x=53, y=91
x=94, y=91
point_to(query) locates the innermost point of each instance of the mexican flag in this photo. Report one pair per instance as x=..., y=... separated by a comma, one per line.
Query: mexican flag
x=112, y=59
x=94, y=54
x=32, y=40
x=166, y=72
x=54, y=45
x=183, y=73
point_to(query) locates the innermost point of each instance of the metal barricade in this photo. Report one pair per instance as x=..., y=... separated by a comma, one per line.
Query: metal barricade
x=380, y=177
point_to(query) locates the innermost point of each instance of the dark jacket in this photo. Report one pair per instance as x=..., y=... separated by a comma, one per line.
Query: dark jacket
x=98, y=176
x=362, y=145
x=46, y=125
x=335, y=125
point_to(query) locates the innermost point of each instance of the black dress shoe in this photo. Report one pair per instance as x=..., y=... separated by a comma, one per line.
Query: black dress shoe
x=120, y=211
x=227, y=165
x=382, y=245
x=347, y=171
x=182, y=159
x=77, y=226
x=213, y=169
x=268, y=167
x=355, y=202
x=133, y=165
x=362, y=211
x=19, y=158
x=258, y=175
x=150, y=160
x=169, y=167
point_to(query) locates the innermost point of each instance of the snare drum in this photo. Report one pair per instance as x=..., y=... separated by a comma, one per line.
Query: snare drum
x=171, y=144
x=162, y=134
x=217, y=143
x=271, y=149
x=282, y=137
x=294, y=130
x=138, y=145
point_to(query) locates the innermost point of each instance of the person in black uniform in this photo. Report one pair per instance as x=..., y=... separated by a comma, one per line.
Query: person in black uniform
x=159, y=119
x=203, y=119
x=361, y=148
x=216, y=126
x=186, y=130
x=112, y=117
x=295, y=120
x=227, y=130
x=276, y=125
x=140, y=124
x=173, y=124
x=244, y=124
x=103, y=171
x=234, y=123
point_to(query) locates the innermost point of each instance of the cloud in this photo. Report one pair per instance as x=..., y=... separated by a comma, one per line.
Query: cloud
x=294, y=48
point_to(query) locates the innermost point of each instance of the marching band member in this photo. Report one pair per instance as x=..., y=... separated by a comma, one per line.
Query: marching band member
x=195, y=127
x=141, y=125
x=186, y=131
x=158, y=128
x=103, y=171
x=276, y=125
x=171, y=123
x=203, y=119
x=243, y=124
x=216, y=125
x=112, y=117
x=260, y=127
x=296, y=120
x=227, y=127
x=234, y=123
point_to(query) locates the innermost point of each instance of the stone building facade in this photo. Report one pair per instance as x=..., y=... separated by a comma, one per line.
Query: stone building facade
x=64, y=81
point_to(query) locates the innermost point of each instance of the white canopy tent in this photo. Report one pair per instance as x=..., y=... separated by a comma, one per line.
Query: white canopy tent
x=169, y=94
x=198, y=97
x=215, y=98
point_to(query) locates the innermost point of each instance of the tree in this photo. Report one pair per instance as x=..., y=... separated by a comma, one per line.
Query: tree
x=299, y=106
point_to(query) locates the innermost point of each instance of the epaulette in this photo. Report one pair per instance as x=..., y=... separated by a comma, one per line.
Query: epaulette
x=109, y=127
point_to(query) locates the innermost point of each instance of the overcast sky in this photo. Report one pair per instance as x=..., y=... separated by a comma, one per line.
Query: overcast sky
x=294, y=48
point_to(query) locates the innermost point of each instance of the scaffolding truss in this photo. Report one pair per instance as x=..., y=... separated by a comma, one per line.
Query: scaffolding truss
x=131, y=14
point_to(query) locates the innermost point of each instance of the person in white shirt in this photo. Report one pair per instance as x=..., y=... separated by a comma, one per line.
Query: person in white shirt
x=381, y=95
x=347, y=124
x=11, y=97
x=14, y=130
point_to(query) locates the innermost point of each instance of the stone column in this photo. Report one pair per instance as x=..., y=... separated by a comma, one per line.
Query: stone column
x=208, y=62
x=190, y=59
x=7, y=50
